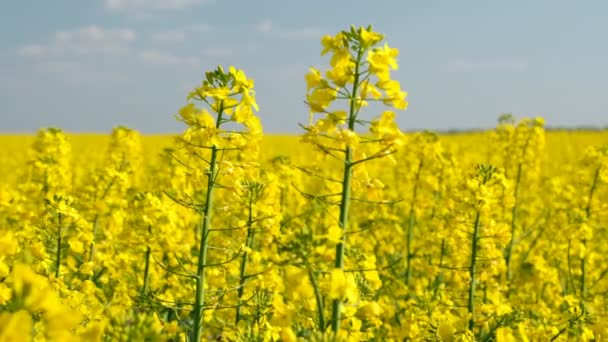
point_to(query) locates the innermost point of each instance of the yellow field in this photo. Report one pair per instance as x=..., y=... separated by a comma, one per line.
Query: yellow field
x=564, y=145
x=541, y=298
x=353, y=231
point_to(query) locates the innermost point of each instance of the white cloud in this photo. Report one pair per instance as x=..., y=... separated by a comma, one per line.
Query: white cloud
x=32, y=50
x=77, y=73
x=287, y=72
x=170, y=36
x=181, y=34
x=199, y=28
x=217, y=52
x=516, y=65
x=304, y=33
x=154, y=57
x=83, y=41
x=150, y=4
x=264, y=26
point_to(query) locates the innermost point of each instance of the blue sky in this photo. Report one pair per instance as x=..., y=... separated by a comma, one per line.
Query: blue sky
x=87, y=66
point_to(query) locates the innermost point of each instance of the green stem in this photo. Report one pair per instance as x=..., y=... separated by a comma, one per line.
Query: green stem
x=472, y=271
x=58, y=251
x=243, y=268
x=346, y=192
x=596, y=177
x=583, y=278
x=513, y=217
x=95, y=228
x=199, y=301
x=144, y=288
x=536, y=239
x=437, y=195
x=282, y=200
x=411, y=224
x=584, y=242
x=442, y=255
x=439, y=277
x=96, y=219
x=570, y=276
x=318, y=298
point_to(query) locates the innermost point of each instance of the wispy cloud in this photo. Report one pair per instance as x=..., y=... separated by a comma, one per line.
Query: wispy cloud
x=303, y=33
x=264, y=26
x=32, y=50
x=287, y=72
x=170, y=36
x=82, y=41
x=77, y=73
x=217, y=52
x=505, y=65
x=179, y=35
x=155, y=57
x=150, y=4
x=199, y=28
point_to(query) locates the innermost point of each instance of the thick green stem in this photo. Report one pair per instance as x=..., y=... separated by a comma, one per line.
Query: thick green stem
x=346, y=192
x=318, y=298
x=439, y=277
x=570, y=276
x=473, y=271
x=95, y=228
x=583, y=278
x=283, y=200
x=442, y=253
x=513, y=218
x=96, y=219
x=411, y=224
x=584, y=241
x=596, y=177
x=58, y=251
x=437, y=195
x=144, y=288
x=243, y=268
x=340, y=247
x=199, y=301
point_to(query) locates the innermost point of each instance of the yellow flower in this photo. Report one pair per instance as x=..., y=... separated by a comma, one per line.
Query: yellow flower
x=394, y=95
x=313, y=79
x=172, y=327
x=340, y=75
x=334, y=234
x=369, y=310
x=15, y=326
x=369, y=37
x=242, y=113
x=382, y=59
x=5, y=293
x=332, y=43
x=8, y=244
x=446, y=331
x=87, y=268
x=348, y=138
x=4, y=269
x=287, y=335
x=342, y=286
x=92, y=333
x=38, y=250
x=369, y=89
x=76, y=245
x=240, y=80
x=320, y=99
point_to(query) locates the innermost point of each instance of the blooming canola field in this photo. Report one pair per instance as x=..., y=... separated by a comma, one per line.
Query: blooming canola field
x=351, y=231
